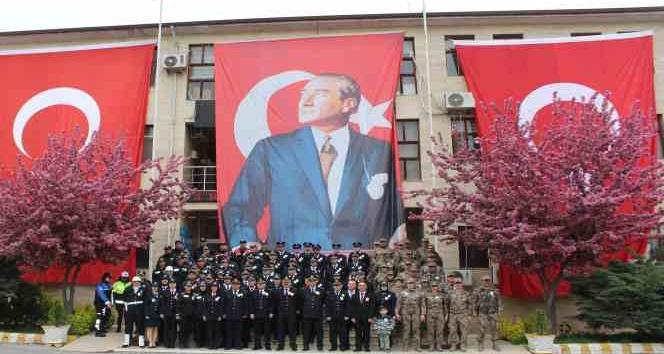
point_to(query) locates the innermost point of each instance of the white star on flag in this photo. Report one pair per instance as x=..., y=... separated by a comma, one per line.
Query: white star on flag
x=368, y=116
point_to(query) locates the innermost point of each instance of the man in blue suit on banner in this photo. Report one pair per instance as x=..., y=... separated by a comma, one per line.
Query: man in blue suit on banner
x=324, y=183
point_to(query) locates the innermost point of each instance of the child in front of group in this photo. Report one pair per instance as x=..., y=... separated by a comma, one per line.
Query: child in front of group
x=383, y=325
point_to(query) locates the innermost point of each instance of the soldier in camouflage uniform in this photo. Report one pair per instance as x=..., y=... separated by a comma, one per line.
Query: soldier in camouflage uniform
x=460, y=311
x=434, y=308
x=409, y=306
x=487, y=309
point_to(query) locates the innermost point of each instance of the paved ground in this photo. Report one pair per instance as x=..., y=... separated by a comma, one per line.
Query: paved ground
x=27, y=349
x=92, y=344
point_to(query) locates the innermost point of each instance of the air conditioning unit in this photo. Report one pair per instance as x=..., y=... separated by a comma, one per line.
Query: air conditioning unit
x=458, y=100
x=466, y=274
x=176, y=62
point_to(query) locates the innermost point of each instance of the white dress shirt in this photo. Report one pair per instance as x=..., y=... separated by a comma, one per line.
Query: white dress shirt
x=340, y=140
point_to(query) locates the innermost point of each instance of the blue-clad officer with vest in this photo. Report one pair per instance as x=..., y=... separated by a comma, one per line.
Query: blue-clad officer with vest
x=102, y=304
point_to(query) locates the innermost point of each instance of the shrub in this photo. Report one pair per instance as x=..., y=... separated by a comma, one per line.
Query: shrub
x=512, y=331
x=55, y=312
x=25, y=310
x=623, y=296
x=537, y=322
x=82, y=320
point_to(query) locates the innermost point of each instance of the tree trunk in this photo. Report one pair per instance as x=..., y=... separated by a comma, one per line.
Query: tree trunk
x=550, y=299
x=65, y=287
x=72, y=288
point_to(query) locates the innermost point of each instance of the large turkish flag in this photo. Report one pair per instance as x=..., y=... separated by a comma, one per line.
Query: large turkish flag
x=97, y=88
x=530, y=71
x=270, y=180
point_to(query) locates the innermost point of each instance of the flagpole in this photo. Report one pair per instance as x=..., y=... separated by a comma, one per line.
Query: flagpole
x=428, y=78
x=155, y=111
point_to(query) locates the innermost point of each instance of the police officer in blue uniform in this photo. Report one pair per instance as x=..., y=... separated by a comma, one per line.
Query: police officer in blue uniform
x=261, y=311
x=312, y=313
x=102, y=303
x=236, y=308
x=167, y=312
x=337, y=312
x=286, y=302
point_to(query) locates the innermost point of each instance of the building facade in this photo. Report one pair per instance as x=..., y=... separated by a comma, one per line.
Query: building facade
x=180, y=118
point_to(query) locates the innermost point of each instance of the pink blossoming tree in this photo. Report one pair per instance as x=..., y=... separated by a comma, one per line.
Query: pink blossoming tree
x=553, y=201
x=69, y=207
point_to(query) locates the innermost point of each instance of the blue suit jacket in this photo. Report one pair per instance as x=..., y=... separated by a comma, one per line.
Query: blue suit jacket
x=283, y=172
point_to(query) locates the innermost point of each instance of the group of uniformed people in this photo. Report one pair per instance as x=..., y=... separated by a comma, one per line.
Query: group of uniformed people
x=225, y=298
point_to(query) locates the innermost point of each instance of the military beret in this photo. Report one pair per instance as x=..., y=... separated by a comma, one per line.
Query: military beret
x=435, y=283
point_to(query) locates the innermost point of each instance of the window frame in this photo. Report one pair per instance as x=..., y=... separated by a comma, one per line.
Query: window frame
x=199, y=82
x=148, y=127
x=503, y=36
x=451, y=50
x=465, y=116
x=584, y=34
x=404, y=173
x=410, y=59
x=463, y=250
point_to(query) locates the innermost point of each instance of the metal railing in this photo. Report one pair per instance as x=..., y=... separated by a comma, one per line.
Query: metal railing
x=202, y=178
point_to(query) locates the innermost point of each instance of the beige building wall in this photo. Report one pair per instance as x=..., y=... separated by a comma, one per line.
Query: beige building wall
x=174, y=110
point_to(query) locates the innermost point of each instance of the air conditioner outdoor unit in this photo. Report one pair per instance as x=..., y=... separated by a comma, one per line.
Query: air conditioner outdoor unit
x=176, y=62
x=466, y=274
x=458, y=100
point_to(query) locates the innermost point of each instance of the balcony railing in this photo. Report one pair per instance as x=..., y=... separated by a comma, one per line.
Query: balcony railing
x=203, y=182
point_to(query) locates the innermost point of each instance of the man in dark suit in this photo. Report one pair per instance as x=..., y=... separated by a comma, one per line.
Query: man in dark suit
x=362, y=313
x=324, y=182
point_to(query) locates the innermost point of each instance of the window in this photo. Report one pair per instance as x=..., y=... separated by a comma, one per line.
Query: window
x=471, y=256
x=407, y=77
x=153, y=70
x=453, y=65
x=408, y=136
x=201, y=72
x=464, y=130
x=414, y=228
x=582, y=34
x=143, y=257
x=508, y=36
x=148, y=138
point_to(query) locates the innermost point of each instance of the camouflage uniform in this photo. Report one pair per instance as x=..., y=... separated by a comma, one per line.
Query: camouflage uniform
x=409, y=305
x=487, y=309
x=434, y=308
x=461, y=304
